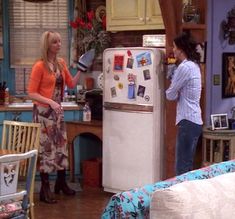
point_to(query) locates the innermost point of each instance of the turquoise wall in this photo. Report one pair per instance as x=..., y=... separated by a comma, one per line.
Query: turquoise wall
x=6, y=73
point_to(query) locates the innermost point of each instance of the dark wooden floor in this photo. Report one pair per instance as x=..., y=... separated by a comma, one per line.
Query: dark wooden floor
x=87, y=204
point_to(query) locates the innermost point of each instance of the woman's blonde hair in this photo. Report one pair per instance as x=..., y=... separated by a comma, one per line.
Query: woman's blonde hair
x=46, y=40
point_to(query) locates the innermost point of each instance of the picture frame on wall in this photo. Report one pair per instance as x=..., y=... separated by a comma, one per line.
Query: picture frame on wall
x=219, y=121
x=201, y=48
x=228, y=74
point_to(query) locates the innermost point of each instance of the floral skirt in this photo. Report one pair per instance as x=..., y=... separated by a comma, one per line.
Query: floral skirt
x=53, y=151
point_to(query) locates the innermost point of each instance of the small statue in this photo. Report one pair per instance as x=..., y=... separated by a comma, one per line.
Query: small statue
x=228, y=27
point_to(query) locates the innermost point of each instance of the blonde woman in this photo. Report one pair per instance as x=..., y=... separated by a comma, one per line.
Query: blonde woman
x=48, y=78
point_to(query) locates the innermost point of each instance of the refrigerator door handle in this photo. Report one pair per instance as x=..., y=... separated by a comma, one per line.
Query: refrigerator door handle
x=124, y=107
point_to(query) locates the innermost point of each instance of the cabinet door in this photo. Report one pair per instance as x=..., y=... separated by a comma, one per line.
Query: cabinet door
x=133, y=15
x=69, y=115
x=26, y=116
x=153, y=15
x=123, y=13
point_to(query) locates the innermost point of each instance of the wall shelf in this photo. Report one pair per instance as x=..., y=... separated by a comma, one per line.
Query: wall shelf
x=193, y=26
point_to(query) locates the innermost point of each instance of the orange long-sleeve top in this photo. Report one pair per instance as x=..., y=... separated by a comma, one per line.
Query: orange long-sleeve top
x=42, y=81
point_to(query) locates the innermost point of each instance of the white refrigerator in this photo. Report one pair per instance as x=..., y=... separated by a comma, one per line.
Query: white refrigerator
x=133, y=115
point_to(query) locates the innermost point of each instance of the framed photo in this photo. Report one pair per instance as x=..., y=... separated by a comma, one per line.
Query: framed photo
x=201, y=48
x=228, y=74
x=219, y=121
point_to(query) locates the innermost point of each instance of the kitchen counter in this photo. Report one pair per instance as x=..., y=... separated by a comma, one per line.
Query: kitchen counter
x=29, y=106
x=23, y=111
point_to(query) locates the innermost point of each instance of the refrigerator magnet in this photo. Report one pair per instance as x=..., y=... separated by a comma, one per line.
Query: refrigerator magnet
x=113, y=92
x=146, y=73
x=120, y=85
x=131, y=78
x=144, y=59
x=129, y=63
x=108, y=70
x=116, y=77
x=131, y=91
x=141, y=91
x=129, y=53
x=147, y=98
x=118, y=63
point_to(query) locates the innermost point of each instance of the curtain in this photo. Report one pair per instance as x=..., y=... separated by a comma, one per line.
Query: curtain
x=28, y=21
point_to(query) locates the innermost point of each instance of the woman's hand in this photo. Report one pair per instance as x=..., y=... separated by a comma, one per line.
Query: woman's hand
x=56, y=107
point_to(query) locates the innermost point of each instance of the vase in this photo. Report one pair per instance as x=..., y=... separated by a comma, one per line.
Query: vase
x=99, y=57
x=105, y=39
x=190, y=13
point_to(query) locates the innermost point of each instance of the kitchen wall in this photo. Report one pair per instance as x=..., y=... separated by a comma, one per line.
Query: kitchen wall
x=216, y=46
x=118, y=39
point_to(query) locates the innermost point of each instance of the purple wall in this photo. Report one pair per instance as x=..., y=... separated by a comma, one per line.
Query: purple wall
x=217, y=12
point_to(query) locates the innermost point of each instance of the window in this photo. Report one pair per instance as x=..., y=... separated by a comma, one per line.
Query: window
x=28, y=21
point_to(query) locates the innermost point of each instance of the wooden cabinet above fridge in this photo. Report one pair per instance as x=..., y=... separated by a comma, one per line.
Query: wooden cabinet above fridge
x=133, y=15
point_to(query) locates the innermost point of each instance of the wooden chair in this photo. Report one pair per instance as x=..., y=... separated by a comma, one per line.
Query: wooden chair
x=21, y=137
x=11, y=192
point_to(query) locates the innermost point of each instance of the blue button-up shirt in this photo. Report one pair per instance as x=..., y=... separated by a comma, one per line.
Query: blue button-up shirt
x=186, y=88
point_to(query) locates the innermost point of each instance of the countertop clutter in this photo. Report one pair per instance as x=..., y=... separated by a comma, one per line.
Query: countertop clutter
x=26, y=106
x=4, y=93
x=23, y=103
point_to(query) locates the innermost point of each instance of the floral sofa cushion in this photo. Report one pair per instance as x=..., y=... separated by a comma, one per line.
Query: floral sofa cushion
x=135, y=203
x=11, y=209
x=196, y=199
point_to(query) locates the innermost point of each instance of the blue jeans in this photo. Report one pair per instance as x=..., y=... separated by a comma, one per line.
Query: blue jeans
x=186, y=143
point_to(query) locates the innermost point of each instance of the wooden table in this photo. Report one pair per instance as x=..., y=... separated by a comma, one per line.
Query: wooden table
x=75, y=128
x=218, y=145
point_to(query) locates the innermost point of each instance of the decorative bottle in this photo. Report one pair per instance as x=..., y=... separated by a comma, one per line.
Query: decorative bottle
x=66, y=94
x=73, y=96
x=7, y=97
x=86, y=113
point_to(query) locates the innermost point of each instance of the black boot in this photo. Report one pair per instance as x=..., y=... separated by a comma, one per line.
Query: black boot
x=45, y=193
x=61, y=184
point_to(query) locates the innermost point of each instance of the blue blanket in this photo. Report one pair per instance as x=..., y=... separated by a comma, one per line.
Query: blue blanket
x=135, y=203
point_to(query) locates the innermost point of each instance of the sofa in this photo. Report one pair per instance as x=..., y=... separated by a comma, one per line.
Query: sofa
x=143, y=202
x=197, y=199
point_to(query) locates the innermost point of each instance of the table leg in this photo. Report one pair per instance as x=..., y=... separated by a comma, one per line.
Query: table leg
x=71, y=161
